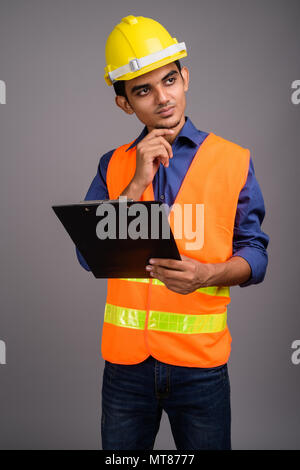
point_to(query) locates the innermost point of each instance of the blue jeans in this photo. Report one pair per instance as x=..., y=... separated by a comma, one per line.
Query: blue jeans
x=196, y=400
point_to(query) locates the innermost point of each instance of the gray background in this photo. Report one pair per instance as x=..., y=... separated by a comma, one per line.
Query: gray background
x=60, y=117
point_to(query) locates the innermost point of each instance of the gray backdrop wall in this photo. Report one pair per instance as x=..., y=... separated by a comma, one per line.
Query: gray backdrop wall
x=59, y=118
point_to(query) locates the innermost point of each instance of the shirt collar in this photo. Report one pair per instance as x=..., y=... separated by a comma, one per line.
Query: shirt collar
x=188, y=131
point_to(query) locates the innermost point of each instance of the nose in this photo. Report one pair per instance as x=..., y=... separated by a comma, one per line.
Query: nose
x=161, y=96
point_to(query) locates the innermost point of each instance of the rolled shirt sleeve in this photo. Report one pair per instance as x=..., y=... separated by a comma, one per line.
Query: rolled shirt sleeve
x=249, y=241
x=97, y=190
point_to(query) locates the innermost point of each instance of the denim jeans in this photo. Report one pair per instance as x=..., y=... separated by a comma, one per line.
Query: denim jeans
x=196, y=400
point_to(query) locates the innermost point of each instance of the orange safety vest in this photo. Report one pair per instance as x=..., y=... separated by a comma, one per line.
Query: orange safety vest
x=142, y=316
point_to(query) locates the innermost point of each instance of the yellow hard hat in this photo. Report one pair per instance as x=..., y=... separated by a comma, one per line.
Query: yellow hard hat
x=138, y=45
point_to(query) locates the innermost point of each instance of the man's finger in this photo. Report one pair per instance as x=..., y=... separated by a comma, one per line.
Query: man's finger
x=158, y=132
x=167, y=263
x=163, y=273
x=160, y=150
x=166, y=145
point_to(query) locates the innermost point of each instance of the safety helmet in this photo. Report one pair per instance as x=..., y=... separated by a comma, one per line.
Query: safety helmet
x=138, y=45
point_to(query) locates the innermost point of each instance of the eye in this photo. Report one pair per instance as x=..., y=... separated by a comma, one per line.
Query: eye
x=171, y=78
x=143, y=91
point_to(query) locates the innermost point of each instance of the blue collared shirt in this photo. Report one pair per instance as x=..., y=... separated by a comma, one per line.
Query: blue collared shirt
x=249, y=241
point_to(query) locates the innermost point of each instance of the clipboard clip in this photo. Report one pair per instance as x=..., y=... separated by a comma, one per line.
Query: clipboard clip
x=100, y=201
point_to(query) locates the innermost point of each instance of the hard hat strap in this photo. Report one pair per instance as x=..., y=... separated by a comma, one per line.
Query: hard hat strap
x=137, y=64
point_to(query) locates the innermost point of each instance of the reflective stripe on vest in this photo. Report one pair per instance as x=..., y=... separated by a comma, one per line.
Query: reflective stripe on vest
x=165, y=321
x=219, y=291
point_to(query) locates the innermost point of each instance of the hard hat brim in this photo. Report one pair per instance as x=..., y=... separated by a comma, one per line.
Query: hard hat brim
x=147, y=68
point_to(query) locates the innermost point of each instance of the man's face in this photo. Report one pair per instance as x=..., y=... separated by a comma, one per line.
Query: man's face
x=157, y=97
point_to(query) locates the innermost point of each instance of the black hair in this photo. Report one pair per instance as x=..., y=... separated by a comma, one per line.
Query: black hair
x=119, y=85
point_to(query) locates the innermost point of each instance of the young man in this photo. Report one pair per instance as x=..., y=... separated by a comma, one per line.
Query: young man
x=165, y=339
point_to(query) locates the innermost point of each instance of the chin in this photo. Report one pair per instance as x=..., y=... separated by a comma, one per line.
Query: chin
x=168, y=122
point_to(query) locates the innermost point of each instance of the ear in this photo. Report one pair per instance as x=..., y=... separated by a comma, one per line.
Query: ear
x=186, y=77
x=122, y=102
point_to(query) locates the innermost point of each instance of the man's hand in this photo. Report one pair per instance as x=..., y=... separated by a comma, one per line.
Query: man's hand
x=183, y=276
x=187, y=275
x=150, y=152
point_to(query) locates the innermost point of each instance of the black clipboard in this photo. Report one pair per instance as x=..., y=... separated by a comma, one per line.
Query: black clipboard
x=119, y=257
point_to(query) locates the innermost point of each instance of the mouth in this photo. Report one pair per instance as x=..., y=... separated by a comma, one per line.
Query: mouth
x=168, y=111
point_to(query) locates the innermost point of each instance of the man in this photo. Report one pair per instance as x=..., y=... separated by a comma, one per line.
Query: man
x=165, y=339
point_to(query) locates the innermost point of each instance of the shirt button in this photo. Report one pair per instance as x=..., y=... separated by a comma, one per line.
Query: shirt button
x=162, y=197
